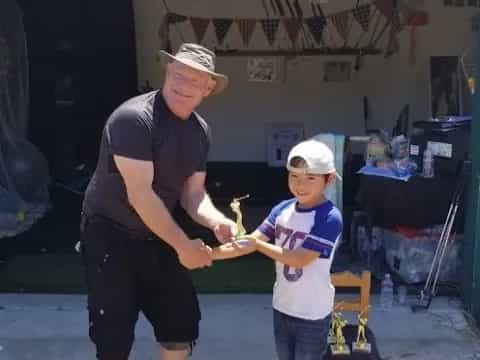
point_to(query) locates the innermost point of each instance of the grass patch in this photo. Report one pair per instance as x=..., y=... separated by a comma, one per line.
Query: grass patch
x=45, y=273
x=249, y=274
x=63, y=273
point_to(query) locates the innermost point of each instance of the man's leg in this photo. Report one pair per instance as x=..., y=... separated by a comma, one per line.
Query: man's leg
x=111, y=301
x=168, y=299
x=174, y=351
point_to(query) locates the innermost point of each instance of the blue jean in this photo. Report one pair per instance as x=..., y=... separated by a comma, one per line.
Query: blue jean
x=300, y=339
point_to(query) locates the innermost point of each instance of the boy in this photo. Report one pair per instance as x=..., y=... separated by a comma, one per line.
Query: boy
x=300, y=234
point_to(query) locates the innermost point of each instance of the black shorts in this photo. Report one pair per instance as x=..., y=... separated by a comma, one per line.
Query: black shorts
x=127, y=273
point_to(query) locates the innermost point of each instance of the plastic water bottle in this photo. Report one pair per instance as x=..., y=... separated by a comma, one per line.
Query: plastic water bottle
x=386, y=294
x=428, y=163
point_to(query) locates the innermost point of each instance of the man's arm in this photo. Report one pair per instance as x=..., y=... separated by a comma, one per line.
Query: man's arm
x=297, y=258
x=196, y=202
x=138, y=178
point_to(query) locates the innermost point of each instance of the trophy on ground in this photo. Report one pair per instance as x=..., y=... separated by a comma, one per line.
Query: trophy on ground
x=340, y=347
x=235, y=206
x=361, y=345
x=336, y=316
x=331, y=331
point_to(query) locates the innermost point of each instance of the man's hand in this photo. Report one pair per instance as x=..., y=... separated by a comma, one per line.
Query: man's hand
x=225, y=230
x=194, y=254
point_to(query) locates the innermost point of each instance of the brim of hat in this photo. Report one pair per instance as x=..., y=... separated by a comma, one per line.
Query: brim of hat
x=308, y=171
x=221, y=80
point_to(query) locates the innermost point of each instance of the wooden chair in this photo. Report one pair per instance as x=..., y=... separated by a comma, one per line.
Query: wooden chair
x=360, y=305
x=350, y=280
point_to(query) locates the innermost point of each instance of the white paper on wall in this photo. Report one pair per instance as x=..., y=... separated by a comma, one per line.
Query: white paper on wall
x=281, y=137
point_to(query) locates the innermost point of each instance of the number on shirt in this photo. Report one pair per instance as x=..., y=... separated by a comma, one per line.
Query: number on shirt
x=288, y=239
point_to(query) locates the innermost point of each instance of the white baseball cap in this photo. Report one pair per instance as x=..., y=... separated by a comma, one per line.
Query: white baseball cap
x=317, y=156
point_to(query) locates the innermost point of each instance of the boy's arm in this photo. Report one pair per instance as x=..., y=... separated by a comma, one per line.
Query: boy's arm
x=297, y=258
x=234, y=249
x=318, y=244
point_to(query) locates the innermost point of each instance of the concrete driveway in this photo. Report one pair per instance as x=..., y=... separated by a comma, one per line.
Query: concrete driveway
x=234, y=327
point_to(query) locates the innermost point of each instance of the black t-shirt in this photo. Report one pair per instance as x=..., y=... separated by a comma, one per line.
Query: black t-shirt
x=144, y=128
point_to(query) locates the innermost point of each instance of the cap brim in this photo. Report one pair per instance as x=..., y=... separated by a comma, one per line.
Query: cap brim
x=309, y=171
x=221, y=80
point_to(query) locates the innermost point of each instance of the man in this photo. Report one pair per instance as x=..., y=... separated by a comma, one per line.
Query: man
x=153, y=154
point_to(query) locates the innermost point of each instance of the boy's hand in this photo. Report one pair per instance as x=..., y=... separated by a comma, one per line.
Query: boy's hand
x=246, y=242
x=235, y=248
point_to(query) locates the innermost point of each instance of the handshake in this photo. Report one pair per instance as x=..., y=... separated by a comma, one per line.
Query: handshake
x=199, y=255
x=231, y=234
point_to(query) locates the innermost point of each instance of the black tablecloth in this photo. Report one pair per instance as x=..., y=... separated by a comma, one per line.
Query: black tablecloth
x=350, y=333
x=418, y=202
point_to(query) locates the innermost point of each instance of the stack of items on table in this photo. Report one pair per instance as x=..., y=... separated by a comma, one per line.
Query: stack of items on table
x=409, y=252
x=408, y=220
x=388, y=157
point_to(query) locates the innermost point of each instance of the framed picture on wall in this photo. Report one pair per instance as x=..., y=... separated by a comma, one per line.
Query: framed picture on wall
x=281, y=137
x=445, y=86
x=262, y=69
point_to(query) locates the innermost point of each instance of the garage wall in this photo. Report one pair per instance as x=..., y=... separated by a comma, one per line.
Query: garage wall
x=239, y=116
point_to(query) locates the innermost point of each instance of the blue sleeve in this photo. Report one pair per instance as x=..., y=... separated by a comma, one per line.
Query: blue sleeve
x=267, y=227
x=324, y=234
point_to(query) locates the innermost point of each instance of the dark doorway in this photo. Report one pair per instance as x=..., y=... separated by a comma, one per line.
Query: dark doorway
x=82, y=65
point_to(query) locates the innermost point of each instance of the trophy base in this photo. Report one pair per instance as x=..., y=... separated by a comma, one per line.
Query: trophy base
x=343, y=350
x=362, y=347
x=331, y=340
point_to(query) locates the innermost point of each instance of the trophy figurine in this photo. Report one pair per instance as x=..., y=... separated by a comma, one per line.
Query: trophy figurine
x=361, y=345
x=336, y=316
x=235, y=206
x=333, y=327
x=340, y=347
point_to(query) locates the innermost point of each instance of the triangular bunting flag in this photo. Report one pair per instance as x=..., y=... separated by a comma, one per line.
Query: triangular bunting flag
x=316, y=25
x=199, y=26
x=385, y=7
x=340, y=20
x=362, y=15
x=270, y=28
x=221, y=28
x=292, y=26
x=246, y=27
x=173, y=18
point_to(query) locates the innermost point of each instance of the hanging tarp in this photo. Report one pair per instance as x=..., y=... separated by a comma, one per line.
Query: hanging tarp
x=23, y=169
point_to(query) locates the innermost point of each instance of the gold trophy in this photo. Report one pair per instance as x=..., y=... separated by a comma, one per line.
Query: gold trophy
x=235, y=206
x=340, y=347
x=361, y=345
x=331, y=331
x=336, y=316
